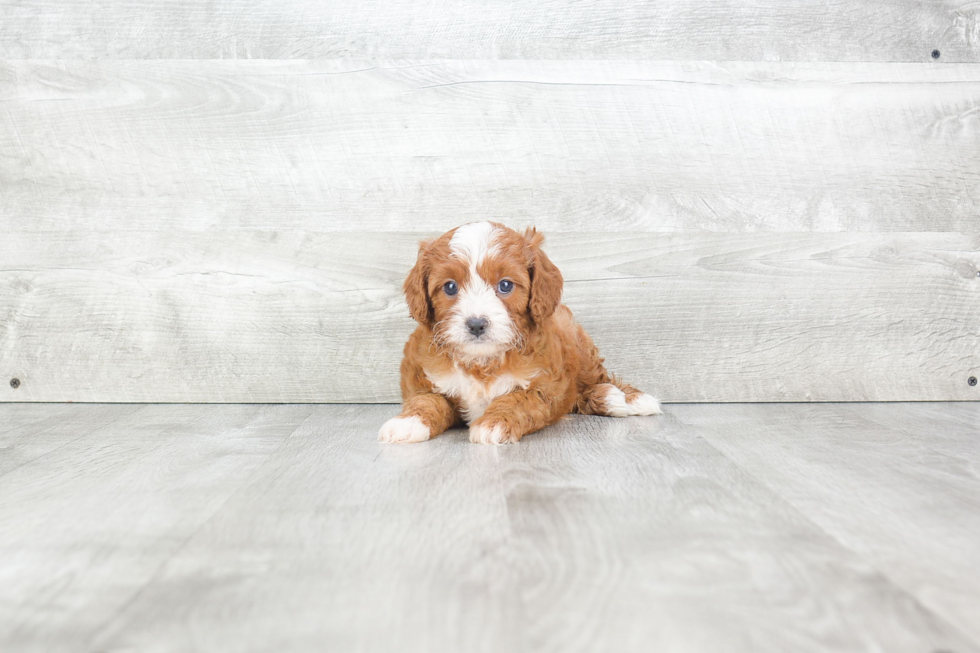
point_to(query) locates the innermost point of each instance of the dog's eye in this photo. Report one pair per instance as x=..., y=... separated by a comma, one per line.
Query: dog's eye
x=505, y=286
x=450, y=288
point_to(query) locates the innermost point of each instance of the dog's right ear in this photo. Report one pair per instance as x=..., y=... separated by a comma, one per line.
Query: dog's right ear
x=417, y=287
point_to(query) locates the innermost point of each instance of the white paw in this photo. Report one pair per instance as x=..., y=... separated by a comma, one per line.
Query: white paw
x=404, y=429
x=491, y=434
x=644, y=404
x=615, y=401
x=617, y=406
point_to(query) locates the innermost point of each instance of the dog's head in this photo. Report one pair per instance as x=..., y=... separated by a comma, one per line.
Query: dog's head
x=482, y=288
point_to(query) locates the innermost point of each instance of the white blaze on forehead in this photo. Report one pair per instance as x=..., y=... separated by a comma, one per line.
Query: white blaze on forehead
x=474, y=242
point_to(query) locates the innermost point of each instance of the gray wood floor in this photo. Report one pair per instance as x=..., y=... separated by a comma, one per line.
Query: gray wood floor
x=765, y=527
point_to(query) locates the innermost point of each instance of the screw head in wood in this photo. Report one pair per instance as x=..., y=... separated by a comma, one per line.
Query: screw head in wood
x=14, y=383
x=935, y=54
x=972, y=381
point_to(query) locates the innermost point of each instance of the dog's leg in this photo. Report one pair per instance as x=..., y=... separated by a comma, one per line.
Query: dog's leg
x=510, y=417
x=604, y=394
x=423, y=416
x=617, y=399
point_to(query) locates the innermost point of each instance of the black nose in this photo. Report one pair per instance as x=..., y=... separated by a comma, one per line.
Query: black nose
x=477, y=325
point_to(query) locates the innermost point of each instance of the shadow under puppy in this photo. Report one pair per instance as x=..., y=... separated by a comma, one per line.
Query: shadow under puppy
x=495, y=348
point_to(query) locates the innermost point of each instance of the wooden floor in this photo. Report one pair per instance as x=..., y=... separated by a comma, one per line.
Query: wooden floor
x=763, y=527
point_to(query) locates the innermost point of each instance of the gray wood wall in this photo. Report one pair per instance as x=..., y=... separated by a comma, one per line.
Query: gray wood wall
x=750, y=201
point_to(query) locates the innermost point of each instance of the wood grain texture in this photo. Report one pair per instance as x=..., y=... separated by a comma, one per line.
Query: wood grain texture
x=258, y=528
x=864, y=474
x=641, y=533
x=30, y=431
x=88, y=524
x=353, y=543
x=427, y=145
x=800, y=30
x=266, y=316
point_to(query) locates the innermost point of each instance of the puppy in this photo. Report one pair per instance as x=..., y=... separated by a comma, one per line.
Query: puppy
x=495, y=348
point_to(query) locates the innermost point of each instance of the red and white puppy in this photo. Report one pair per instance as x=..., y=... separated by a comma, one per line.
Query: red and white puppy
x=495, y=348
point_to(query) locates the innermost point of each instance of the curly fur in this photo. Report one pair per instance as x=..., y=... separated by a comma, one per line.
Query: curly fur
x=534, y=365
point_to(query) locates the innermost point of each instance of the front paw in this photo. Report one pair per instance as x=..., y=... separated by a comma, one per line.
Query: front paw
x=404, y=429
x=493, y=433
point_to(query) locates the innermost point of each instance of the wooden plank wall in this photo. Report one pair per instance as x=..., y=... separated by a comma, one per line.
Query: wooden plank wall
x=750, y=201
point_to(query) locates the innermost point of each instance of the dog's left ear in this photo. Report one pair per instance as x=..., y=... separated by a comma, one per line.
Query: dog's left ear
x=417, y=288
x=546, y=279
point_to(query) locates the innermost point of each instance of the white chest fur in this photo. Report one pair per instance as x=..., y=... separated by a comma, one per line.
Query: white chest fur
x=473, y=394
